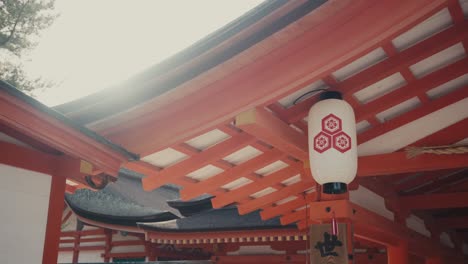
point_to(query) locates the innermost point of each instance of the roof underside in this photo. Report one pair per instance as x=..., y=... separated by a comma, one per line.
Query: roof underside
x=406, y=76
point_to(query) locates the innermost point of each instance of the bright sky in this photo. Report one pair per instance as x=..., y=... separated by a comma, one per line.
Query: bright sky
x=95, y=44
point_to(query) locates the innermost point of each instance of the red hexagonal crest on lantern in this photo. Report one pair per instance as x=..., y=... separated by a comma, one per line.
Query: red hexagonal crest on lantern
x=322, y=142
x=342, y=142
x=331, y=124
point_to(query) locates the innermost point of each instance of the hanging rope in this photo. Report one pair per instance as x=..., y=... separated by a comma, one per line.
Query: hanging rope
x=412, y=152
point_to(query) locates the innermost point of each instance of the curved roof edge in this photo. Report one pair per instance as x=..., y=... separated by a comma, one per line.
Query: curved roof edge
x=92, y=108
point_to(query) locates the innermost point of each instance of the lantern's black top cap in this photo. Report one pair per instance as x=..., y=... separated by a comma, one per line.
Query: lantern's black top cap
x=330, y=95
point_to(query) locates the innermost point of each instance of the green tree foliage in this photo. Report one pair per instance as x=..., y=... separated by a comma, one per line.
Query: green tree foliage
x=21, y=21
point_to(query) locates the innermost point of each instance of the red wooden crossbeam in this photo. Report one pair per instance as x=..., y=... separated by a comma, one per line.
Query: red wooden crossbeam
x=415, y=88
x=434, y=201
x=211, y=184
x=270, y=77
x=258, y=203
x=420, y=180
x=36, y=124
x=413, y=115
x=447, y=136
x=439, y=183
x=258, y=185
x=385, y=68
x=181, y=169
x=454, y=222
x=263, y=125
x=272, y=211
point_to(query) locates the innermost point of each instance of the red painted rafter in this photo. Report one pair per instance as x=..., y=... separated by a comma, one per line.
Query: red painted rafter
x=268, y=128
x=415, y=88
x=213, y=183
x=272, y=211
x=258, y=185
x=434, y=201
x=268, y=199
x=440, y=182
x=413, y=115
x=270, y=77
x=28, y=120
x=180, y=170
x=383, y=69
x=457, y=222
x=447, y=136
x=420, y=180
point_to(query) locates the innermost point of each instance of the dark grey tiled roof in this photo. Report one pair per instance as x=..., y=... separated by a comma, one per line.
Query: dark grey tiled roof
x=215, y=219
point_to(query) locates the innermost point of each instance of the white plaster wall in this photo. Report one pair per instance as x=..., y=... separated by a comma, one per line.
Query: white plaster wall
x=371, y=201
x=24, y=197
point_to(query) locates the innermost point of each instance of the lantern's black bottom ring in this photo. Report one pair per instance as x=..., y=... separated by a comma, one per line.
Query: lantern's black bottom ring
x=335, y=188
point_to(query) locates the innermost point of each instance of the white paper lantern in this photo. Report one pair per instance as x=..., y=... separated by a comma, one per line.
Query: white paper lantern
x=332, y=143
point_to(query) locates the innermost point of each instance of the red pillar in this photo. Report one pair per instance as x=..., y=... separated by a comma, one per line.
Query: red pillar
x=397, y=254
x=54, y=220
x=108, y=248
x=76, y=247
x=433, y=261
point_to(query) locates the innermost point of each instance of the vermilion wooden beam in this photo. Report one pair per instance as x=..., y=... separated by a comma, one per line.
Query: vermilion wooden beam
x=434, y=201
x=292, y=189
x=365, y=221
x=272, y=211
x=438, y=184
x=454, y=222
x=185, y=112
x=263, y=125
x=415, y=88
x=385, y=68
x=210, y=185
x=26, y=158
x=447, y=136
x=397, y=163
x=258, y=185
x=30, y=121
x=413, y=115
x=181, y=169
x=420, y=180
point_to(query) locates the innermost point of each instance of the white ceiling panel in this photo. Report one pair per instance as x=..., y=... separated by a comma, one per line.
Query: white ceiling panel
x=398, y=110
x=380, y=88
x=270, y=168
x=208, y=139
x=292, y=180
x=360, y=64
x=285, y=200
x=263, y=192
x=236, y=184
x=242, y=155
x=288, y=101
x=362, y=126
x=448, y=87
x=425, y=29
x=464, y=6
x=165, y=157
x=438, y=60
x=205, y=172
x=416, y=130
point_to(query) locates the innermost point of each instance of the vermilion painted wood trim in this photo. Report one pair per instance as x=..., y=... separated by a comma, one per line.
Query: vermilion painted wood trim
x=413, y=115
x=24, y=118
x=434, y=201
x=257, y=185
x=26, y=158
x=385, y=68
x=287, y=191
x=212, y=184
x=268, y=128
x=54, y=219
x=272, y=211
x=272, y=76
x=181, y=169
